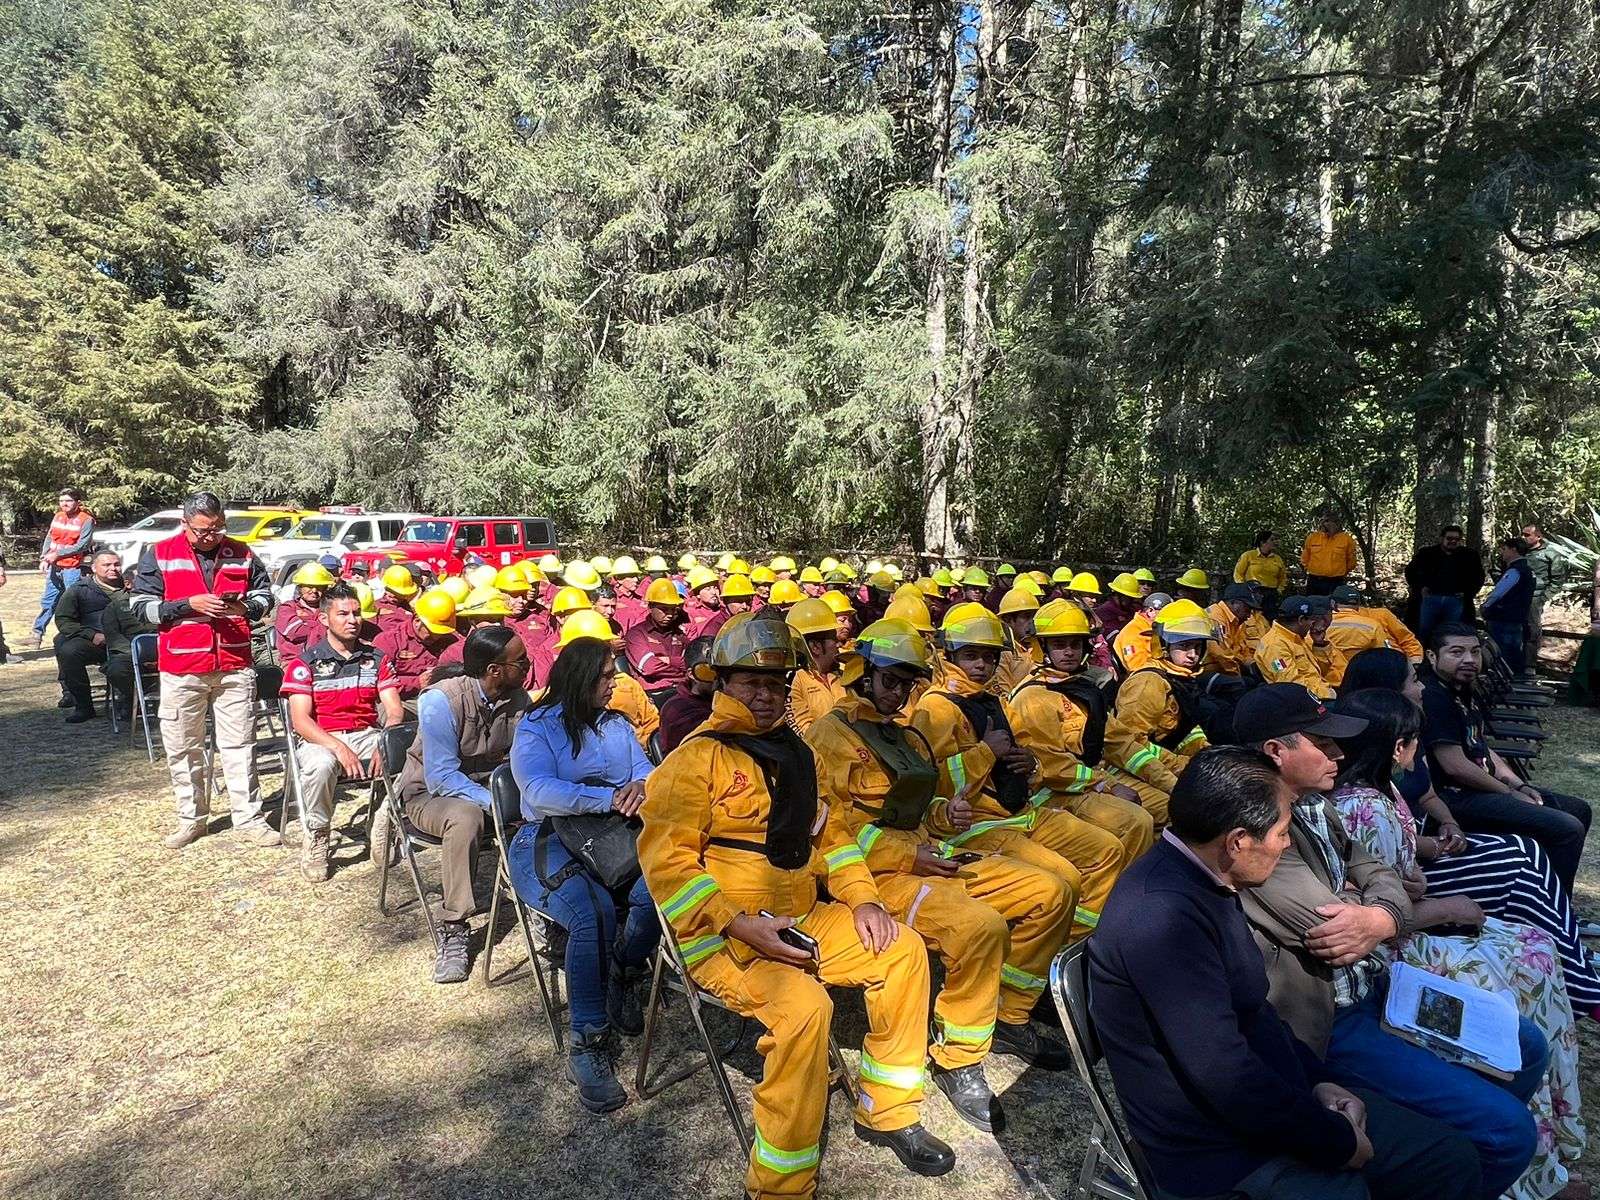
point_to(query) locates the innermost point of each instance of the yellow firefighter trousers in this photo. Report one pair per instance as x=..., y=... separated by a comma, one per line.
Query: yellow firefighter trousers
x=1129, y=823
x=1151, y=798
x=795, y=1010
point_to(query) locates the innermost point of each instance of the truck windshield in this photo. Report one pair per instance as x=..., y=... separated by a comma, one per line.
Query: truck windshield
x=316, y=529
x=426, y=531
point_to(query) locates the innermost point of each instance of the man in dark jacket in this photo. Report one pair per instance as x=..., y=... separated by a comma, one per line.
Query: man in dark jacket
x=1220, y=1095
x=1506, y=607
x=121, y=623
x=80, y=640
x=1443, y=580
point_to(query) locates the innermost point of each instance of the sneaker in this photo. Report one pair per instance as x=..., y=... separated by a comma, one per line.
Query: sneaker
x=314, y=855
x=970, y=1095
x=380, y=837
x=451, y=964
x=79, y=715
x=622, y=999
x=916, y=1148
x=186, y=832
x=258, y=833
x=1032, y=1047
x=589, y=1065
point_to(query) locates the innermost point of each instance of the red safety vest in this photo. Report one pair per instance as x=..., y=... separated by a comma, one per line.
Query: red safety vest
x=194, y=645
x=65, y=531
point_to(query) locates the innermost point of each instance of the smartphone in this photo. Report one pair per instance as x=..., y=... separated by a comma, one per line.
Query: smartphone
x=965, y=859
x=793, y=937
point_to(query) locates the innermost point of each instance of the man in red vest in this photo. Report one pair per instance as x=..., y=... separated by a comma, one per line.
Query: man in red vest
x=204, y=590
x=71, y=531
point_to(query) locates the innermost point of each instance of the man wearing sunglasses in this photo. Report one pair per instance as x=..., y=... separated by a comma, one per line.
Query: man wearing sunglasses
x=204, y=590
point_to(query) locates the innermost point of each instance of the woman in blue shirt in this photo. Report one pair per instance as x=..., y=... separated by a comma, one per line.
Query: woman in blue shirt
x=572, y=756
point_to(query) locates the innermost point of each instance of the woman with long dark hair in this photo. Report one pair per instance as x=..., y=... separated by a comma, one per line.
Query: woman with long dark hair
x=572, y=756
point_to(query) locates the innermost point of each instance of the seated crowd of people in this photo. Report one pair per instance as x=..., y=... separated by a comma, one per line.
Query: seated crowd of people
x=834, y=778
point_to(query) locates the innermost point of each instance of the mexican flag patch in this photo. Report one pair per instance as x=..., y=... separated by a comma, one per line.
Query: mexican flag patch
x=1280, y=664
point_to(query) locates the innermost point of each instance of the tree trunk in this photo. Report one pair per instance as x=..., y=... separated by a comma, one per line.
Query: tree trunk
x=1441, y=457
x=1481, y=522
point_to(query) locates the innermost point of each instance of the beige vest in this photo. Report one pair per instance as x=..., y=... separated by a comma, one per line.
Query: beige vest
x=483, y=734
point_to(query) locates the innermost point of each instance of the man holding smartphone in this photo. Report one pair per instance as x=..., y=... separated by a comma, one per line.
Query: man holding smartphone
x=204, y=590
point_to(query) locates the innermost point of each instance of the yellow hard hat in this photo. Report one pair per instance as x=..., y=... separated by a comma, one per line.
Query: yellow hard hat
x=892, y=570
x=890, y=642
x=550, y=564
x=874, y=565
x=957, y=576
x=584, y=623
x=511, y=580
x=601, y=563
x=738, y=567
x=484, y=602
x=656, y=565
x=625, y=567
x=1126, y=585
x=1005, y=569
x=737, y=587
x=725, y=561
x=1183, y=621
x=1195, y=578
x=751, y=643
x=912, y=609
x=829, y=563
x=846, y=570
x=1061, y=575
x=1018, y=600
x=1086, y=583
x=699, y=576
x=782, y=563
x=881, y=580
x=661, y=591
x=436, y=609
x=972, y=625
x=1061, y=618
x=687, y=562
x=763, y=574
x=530, y=571
x=1027, y=584
x=1039, y=577
x=786, y=591
x=838, y=602
x=810, y=616
x=399, y=581
x=976, y=577
x=929, y=587
x=481, y=576
x=369, y=606
x=571, y=599
x=314, y=574
x=581, y=575
x=908, y=589
x=810, y=575
x=1145, y=575
x=457, y=588
x=944, y=577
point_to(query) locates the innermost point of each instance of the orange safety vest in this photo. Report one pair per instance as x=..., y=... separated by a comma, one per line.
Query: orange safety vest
x=65, y=531
x=194, y=645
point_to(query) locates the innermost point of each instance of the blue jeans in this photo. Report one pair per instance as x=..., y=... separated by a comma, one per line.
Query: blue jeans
x=1493, y=1116
x=589, y=928
x=1437, y=610
x=1509, y=635
x=56, y=581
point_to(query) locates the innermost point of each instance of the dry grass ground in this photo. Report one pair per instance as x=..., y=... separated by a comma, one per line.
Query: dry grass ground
x=205, y=1024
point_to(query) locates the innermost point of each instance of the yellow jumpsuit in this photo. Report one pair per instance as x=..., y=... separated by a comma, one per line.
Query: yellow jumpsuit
x=1133, y=646
x=628, y=698
x=703, y=790
x=1285, y=657
x=996, y=924
x=1086, y=857
x=1396, y=630
x=1231, y=651
x=810, y=696
x=1052, y=726
x=1016, y=664
x=1351, y=631
x=1146, y=717
x=1255, y=628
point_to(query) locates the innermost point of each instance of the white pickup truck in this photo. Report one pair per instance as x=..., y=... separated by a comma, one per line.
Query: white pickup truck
x=334, y=530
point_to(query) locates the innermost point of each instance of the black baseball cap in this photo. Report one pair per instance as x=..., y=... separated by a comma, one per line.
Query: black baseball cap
x=1243, y=591
x=1305, y=606
x=1278, y=709
x=1345, y=594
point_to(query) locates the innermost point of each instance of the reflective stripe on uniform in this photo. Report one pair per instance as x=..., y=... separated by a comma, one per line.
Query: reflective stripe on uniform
x=1081, y=775
x=907, y=1079
x=1137, y=762
x=1018, y=978
x=868, y=837
x=1024, y=821
x=696, y=949
x=957, y=767
x=786, y=1162
x=971, y=1035
x=689, y=897
x=1195, y=735
x=844, y=856
x=1086, y=917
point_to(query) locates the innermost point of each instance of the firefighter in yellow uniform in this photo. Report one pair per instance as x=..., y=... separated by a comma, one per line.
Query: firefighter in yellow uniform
x=1352, y=630
x=1060, y=713
x=995, y=922
x=815, y=687
x=1285, y=654
x=1155, y=726
x=1134, y=647
x=970, y=732
x=913, y=609
x=1392, y=627
x=1231, y=653
x=1024, y=655
x=733, y=828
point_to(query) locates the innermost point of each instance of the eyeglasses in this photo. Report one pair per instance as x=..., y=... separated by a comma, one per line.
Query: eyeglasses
x=201, y=531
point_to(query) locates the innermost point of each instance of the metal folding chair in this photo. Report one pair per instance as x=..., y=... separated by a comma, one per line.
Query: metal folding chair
x=143, y=648
x=1113, y=1166
x=542, y=958
x=669, y=971
x=396, y=742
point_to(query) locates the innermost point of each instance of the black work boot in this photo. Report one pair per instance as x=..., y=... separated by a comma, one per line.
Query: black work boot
x=1032, y=1047
x=451, y=964
x=969, y=1093
x=79, y=715
x=622, y=999
x=589, y=1066
x=914, y=1146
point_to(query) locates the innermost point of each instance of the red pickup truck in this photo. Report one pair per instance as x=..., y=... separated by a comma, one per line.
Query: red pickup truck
x=443, y=543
